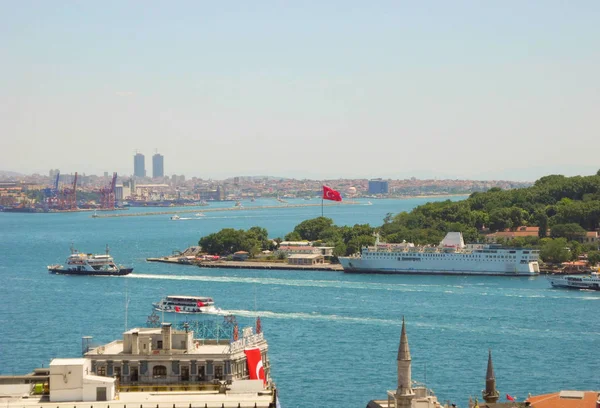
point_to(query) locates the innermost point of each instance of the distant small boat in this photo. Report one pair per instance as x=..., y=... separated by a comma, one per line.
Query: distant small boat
x=199, y=215
x=94, y=215
x=175, y=217
x=369, y=203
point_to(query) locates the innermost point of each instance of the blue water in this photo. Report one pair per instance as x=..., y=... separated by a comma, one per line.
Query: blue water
x=333, y=338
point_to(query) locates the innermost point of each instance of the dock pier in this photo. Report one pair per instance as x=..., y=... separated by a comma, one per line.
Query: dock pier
x=234, y=209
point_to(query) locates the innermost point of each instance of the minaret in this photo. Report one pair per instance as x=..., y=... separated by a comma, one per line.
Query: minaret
x=404, y=392
x=490, y=394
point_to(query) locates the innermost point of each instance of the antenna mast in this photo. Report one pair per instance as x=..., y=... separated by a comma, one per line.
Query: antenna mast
x=126, y=306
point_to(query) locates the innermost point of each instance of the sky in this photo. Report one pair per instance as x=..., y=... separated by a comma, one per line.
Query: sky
x=308, y=89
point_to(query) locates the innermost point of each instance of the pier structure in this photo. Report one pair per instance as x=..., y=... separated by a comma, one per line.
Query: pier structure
x=235, y=209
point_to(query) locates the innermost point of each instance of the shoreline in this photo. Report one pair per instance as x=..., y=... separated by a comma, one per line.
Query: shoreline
x=248, y=265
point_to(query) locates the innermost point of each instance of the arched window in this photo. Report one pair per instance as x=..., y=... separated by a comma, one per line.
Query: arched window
x=159, y=371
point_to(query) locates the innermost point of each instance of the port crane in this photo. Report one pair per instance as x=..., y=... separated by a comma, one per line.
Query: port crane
x=107, y=195
x=51, y=193
x=69, y=201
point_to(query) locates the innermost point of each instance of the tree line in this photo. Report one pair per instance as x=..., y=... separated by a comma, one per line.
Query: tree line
x=563, y=208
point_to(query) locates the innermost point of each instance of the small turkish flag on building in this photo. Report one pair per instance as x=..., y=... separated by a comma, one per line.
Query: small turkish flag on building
x=255, y=364
x=331, y=194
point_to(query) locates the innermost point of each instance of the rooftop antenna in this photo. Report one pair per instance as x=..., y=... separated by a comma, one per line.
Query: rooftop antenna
x=126, y=306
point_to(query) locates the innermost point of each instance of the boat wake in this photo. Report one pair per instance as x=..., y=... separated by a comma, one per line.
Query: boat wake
x=309, y=316
x=300, y=282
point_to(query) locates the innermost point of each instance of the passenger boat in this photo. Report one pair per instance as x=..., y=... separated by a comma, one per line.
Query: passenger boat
x=581, y=282
x=175, y=217
x=451, y=257
x=186, y=304
x=79, y=263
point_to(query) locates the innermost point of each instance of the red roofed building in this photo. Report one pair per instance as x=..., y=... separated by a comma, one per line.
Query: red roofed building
x=565, y=399
x=508, y=234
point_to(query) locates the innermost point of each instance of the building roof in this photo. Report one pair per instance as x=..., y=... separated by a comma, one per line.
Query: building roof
x=305, y=256
x=67, y=361
x=565, y=399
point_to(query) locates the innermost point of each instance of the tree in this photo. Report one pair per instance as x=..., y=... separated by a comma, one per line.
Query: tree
x=555, y=250
x=572, y=232
x=311, y=229
x=388, y=218
x=593, y=257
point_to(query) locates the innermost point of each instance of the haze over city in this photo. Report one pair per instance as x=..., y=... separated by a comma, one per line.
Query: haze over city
x=493, y=90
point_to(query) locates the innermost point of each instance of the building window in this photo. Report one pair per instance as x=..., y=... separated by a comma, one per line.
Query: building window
x=159, y=344
x=101, y=371
x=219, y=372
x=159, y=371
x=201, y=373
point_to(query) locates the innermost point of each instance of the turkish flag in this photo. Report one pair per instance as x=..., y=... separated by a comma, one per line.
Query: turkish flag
x=177, y=309
x=508, y=397
x=200, y=304
x=330, y=194
x=255, y=364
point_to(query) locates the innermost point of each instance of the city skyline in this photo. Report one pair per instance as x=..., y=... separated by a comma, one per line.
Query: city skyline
x=465, y=90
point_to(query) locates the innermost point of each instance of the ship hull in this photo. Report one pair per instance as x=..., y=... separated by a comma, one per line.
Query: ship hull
x=208, y=310
x=357, y=265
x=120, y=272
x=577, y=283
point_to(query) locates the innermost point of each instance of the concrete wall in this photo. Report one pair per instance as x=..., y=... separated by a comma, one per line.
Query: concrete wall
x=91, y=384
x=66, y=379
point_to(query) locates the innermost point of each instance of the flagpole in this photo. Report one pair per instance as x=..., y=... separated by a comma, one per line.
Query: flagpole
x=322, y=200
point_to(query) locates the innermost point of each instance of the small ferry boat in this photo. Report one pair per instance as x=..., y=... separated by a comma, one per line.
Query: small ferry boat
x=89, y=264
x=175, y=217
x=186, y=304
x=581, y=282
x=199, y=215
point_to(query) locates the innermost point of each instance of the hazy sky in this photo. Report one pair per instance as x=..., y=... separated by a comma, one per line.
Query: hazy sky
x=315, y=89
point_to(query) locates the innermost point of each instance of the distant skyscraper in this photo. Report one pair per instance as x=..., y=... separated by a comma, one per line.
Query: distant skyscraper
x=158, y=169
x=378, y=186
x=139, y=166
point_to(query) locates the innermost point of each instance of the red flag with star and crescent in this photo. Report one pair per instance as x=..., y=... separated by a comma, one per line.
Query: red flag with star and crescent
x=256, y=370
x=331, y=194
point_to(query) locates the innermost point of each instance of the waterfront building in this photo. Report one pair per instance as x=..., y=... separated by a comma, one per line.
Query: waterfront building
x=158, y=169
x=408, y=394
x=378, y=186
x=289, y=250
x=159, y=367
x=139, y=165
x=305, y=259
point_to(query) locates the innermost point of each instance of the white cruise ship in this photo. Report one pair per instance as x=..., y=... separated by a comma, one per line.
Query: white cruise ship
x=451, y=257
